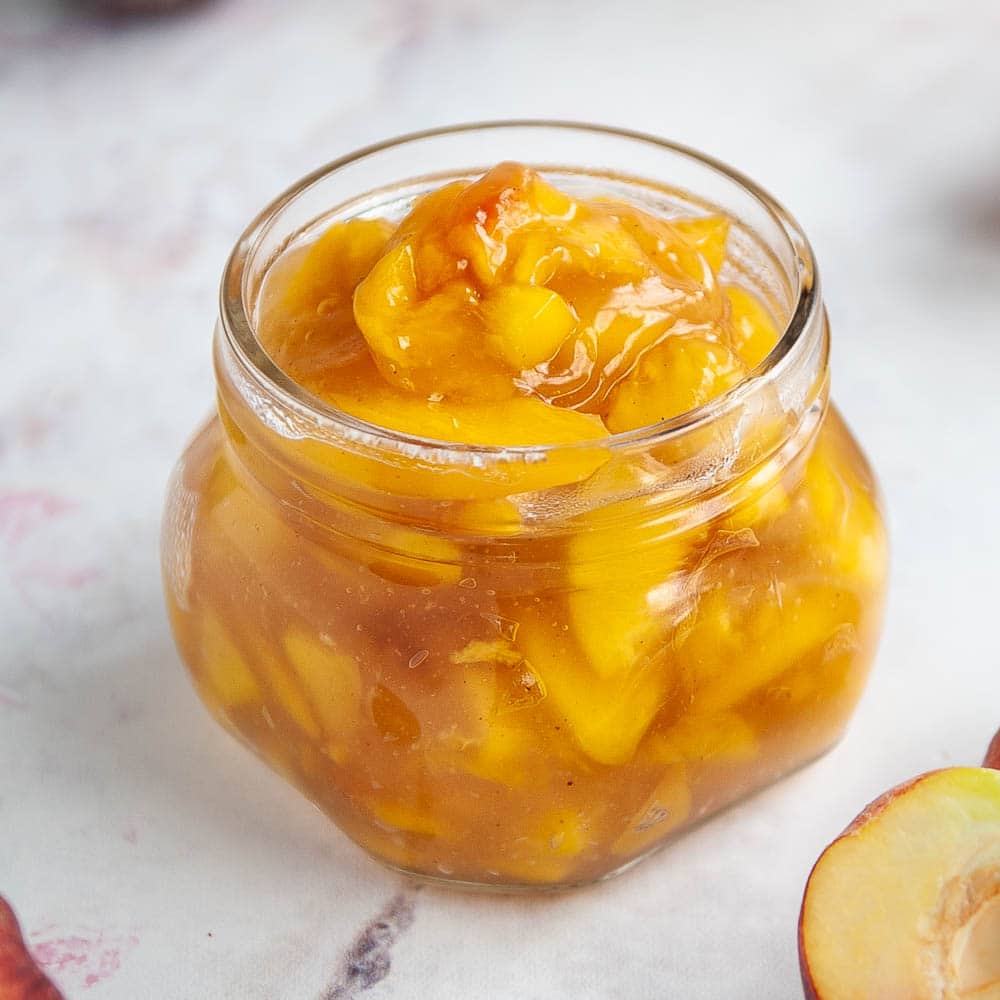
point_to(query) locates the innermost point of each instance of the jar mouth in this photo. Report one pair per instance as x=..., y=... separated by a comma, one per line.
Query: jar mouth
x=316, y=417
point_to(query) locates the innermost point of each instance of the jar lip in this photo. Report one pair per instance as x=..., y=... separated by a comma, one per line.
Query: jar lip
x=238, y=329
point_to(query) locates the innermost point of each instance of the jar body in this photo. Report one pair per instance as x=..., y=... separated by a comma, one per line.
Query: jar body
x=539, y=711
x=528, y=667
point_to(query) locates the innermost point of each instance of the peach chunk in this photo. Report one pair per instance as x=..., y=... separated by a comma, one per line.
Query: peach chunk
x=680, y=374
x=435, y=299
x=307, y=317
x=517, y=421
x=666, y=809
x=753, y=329
x=224, y=667
x=547, y=852
x=526, y=324
x=845, y=510
x=332, y=681
x=905, y=904
x=333, y=265
x=607, y=716
x=616, y=609
x=708, y=235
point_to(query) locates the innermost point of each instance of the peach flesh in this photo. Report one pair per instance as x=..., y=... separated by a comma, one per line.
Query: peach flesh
x=905, y=904
x=975, y=953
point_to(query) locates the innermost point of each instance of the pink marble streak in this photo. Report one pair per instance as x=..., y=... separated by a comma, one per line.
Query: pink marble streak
x=20, y=977
x=9, y=699
x=23, y=513
x=23, y=516
x=82, y=958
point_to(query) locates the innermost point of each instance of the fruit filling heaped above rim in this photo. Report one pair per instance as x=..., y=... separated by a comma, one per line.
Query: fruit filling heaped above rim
x=503, y=311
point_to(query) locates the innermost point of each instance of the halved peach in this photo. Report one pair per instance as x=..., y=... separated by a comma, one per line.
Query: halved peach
x=993, y=754
x=905, y=904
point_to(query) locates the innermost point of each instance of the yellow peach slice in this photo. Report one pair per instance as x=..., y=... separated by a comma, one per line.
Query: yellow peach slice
x=537, y=259
x=513, y=422
x=599, y=244
x=242, y=522
x=526, y=324
x=680, y=374
x=905, y=904
x=757, y=510
x=846, y=523
x=697, y=739
x=691, y=249
x=592, y=246
x=614, y=607
x=223, y=666
x=519, y=421
x=736, y=655
x=418, y=343
x=394, y=721
x=563, y=832
x=547, y=851
x=490, y=687
x=305, y=316
x=607, y=716
x=708, y=235
x=496, y=518
x=415, y=558
x=501, y=755
x=286, y=690
x=754, y=330
x=332, y=682
x=335, y=263
x=666, y=809
x=399, y=816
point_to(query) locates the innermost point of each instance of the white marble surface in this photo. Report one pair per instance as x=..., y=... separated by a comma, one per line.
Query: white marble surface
x=147, y=854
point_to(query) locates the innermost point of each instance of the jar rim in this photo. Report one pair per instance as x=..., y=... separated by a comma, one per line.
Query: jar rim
x=237, y=326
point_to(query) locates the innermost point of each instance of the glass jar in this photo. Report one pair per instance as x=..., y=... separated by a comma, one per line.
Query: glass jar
x=528, y=667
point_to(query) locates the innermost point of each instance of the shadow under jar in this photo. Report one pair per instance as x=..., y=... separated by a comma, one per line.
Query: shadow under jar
x=527, y=667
